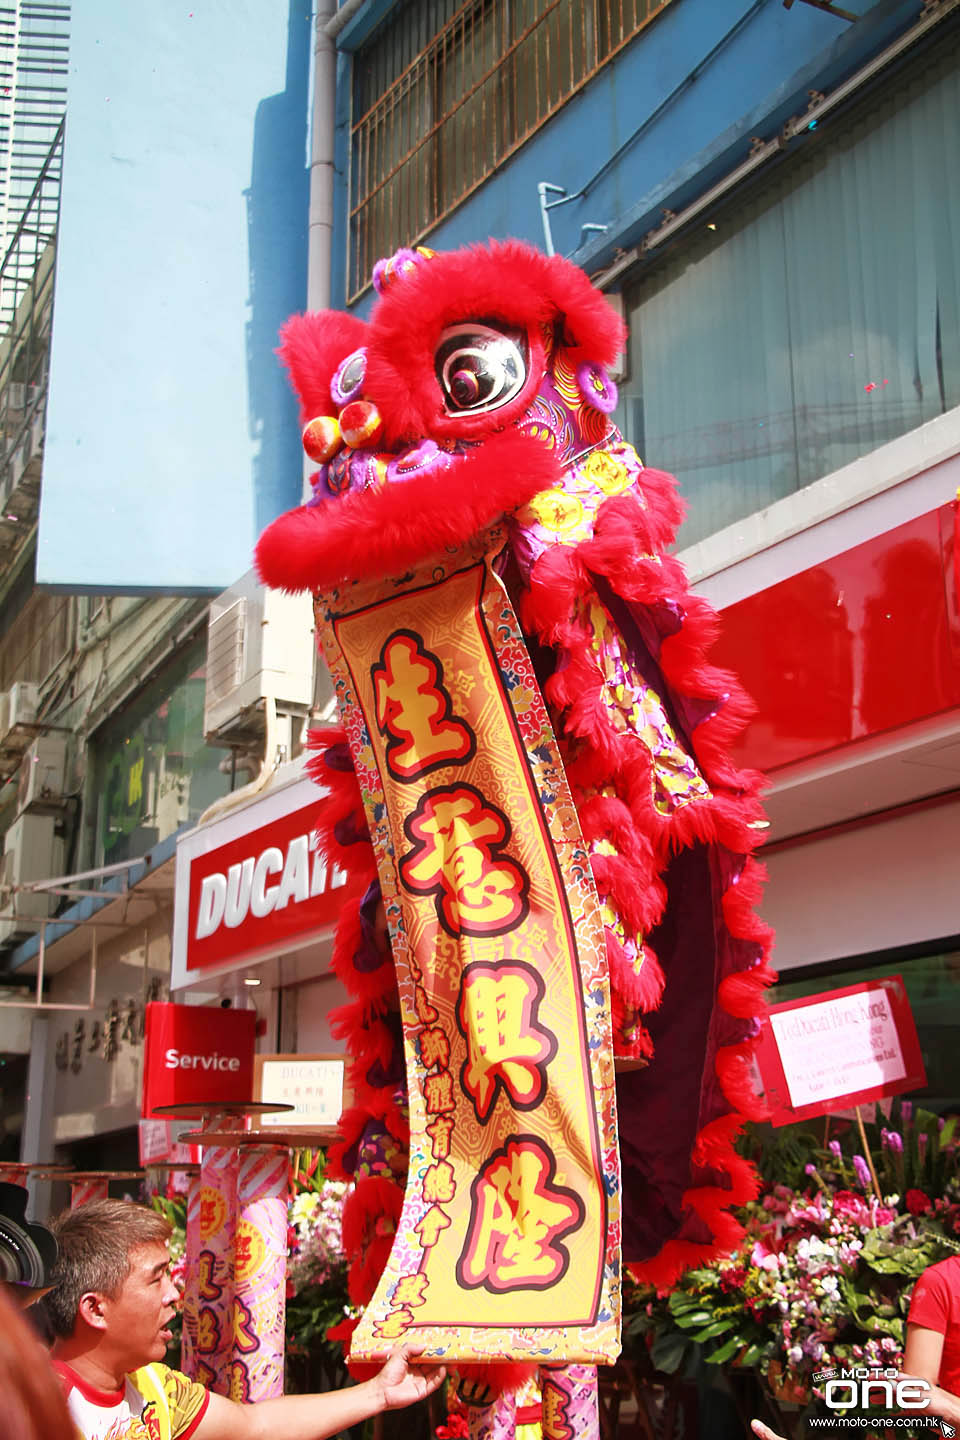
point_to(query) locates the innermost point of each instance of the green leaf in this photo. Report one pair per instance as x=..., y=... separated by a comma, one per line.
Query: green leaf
x=668, y=1351
x=726, y=1351
x=692, y=1319
x=709, y=1332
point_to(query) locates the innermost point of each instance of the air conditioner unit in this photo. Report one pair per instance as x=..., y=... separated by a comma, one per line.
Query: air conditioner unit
x=21, y=395
x=18, y=723
x=260, y=645
x=32, y=850
x=43, y=776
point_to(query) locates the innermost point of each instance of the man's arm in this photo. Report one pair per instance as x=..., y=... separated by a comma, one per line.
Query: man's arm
x=313, y=1417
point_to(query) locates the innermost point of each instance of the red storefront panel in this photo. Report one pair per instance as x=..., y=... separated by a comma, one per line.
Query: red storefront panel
x=863, y=643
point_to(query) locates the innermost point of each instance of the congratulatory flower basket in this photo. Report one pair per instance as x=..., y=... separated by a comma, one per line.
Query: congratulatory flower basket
x=824, y=1273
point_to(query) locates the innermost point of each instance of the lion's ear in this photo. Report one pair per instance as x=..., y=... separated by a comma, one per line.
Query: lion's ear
x=312, y=346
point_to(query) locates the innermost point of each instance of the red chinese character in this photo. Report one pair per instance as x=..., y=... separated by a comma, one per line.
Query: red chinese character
x=207, y=1287
x=457, y=857
x=434, y=1048
x=426, y=1013
x=438, y=1183
x=440, y=1131
x=432, y=1226
x=414, y=710
x=554, y=1401
x=409, y=1291
x=438, y=1092
x=392, y=1326
x=518, y=1218
x=506, y=1048
x=245, y=1338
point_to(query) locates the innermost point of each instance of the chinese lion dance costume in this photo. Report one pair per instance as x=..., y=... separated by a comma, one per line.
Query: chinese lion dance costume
x=548, y=915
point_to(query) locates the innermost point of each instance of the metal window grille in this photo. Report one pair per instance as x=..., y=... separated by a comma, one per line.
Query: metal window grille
x=448, y=90
x=34, y=47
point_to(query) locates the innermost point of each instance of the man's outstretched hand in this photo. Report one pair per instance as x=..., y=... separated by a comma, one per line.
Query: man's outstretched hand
x=402, y=1382
x=763, y=1432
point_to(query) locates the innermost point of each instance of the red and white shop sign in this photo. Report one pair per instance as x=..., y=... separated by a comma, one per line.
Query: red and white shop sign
x=837, y=1049
x=251, y=885
x=196, y=1054
x=159, y=1145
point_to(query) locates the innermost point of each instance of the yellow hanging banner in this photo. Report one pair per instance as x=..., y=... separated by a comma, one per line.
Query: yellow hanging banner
x=508, y=1245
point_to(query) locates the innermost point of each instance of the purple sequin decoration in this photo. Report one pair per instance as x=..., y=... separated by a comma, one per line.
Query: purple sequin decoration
x=597, y=388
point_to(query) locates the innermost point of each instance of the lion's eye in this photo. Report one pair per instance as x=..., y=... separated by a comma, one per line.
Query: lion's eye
x=480, y=368
x=348, y=381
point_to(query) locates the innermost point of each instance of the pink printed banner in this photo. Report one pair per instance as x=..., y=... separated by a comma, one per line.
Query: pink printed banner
x=215, y=1264
x=83, y=1191
x=570, y=1401
x=191, y=1291
x=260, y=1295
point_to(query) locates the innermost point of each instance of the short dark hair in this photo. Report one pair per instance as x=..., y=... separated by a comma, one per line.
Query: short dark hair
x=96, y=1243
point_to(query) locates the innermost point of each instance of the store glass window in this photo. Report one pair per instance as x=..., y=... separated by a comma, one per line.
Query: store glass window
x=932, y=983
x=812, y=320
x=153, y=770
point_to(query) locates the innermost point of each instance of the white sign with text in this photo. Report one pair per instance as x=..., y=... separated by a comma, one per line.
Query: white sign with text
x=841, y=1045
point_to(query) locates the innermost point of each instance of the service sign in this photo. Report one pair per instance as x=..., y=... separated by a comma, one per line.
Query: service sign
x=251, y=885
x=838, y=1049
x=196, y=1054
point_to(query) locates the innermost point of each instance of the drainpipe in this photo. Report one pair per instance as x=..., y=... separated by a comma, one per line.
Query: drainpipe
x=321, y=158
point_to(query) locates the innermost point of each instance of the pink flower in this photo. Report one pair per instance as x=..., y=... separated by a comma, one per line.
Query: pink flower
x=763, y=1257
x=845, y=1202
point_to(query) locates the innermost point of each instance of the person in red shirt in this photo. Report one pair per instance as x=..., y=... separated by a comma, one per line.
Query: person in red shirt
x=110, y=1310
x=933, y=1336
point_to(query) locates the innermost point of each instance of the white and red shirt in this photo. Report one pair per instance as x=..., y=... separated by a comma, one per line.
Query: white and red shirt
x=155, y=1403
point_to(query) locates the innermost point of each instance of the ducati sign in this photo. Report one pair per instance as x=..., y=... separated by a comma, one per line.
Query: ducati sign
x=252, y=885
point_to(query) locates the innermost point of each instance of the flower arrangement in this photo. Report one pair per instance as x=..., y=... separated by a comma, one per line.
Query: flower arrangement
x=824, y=1273
x=316, y=1273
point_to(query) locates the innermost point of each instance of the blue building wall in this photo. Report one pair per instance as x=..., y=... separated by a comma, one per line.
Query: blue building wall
x=172, y=435
x=658, y=125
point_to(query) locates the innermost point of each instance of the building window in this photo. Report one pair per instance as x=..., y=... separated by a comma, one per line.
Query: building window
x=819, y=319
x=446, y=91
x=153, y=770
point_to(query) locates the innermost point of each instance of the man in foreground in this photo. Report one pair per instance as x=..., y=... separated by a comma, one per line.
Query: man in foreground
x=110, y=1312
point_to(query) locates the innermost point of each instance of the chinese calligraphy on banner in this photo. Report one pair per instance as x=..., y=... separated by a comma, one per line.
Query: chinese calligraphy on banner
x=508, y=1244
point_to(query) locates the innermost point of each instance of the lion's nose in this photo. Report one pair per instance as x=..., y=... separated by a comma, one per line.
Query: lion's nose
x=360, y=424
x=322, y=438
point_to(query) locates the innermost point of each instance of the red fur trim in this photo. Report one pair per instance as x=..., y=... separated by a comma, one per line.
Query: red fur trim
x=627, y=532
x=366, y=1270
x=733, y=1067
x=312, y=347
x=742, y=994
x=373, y=1201
x=643, y=988
x=499, y=1376
x=382, y=532
x=631, y=1041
